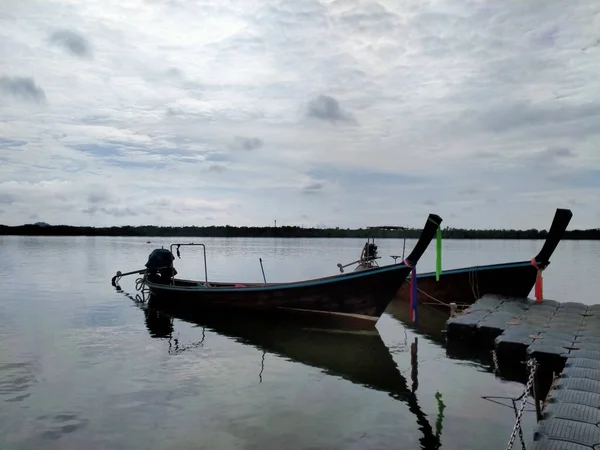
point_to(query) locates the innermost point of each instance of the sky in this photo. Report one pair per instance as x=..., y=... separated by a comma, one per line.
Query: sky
x=342, y=113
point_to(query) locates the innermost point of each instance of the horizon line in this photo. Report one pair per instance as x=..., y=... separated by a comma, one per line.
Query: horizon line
x=365, y=228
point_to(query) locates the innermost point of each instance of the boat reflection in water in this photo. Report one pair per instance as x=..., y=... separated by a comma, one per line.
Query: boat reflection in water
x=359, y=356
x=432, y=325
x=431, y=320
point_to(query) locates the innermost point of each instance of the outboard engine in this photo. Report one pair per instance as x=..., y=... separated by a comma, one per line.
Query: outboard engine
x=160, y=266
x=371, y=251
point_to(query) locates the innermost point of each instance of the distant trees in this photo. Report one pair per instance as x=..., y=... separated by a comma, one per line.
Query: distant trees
x=282, y=231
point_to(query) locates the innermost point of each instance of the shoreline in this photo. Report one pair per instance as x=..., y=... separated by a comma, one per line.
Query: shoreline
x=282, y=232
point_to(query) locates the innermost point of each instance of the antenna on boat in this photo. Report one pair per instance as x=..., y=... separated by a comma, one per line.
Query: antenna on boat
x=263, y=270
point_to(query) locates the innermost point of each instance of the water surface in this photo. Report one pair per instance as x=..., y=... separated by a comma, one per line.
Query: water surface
x=84, y=366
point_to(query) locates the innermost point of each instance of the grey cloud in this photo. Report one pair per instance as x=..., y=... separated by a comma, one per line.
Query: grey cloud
x=217, y=168
x=8, y=143
x=71, y=41
x=504, y=117
x=112, y=211
x=174, y=72
x=373, y=19
x=554, y=157
x=327, y=108
x=525, y=113
x=98, y=197
x=23, y=88
x=314, y=187
x=469, y=191
x=558, y=152
x=6, y=198
x=249, y=143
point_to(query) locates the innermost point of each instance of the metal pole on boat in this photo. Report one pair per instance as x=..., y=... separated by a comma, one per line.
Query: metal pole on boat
x=263, y=270
x=403, y=247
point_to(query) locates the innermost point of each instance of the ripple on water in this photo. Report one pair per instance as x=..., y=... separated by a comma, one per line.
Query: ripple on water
x=15, y=380
x=55, y=426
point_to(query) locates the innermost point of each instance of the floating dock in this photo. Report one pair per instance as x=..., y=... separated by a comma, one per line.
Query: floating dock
x=564, y=338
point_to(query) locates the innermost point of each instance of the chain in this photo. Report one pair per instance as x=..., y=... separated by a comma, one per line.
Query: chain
x=521, y=438
x=532, y=366
x=495, y=362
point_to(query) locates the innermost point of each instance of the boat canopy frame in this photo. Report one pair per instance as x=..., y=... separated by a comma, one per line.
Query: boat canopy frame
x=390, y=228
x=190, y=244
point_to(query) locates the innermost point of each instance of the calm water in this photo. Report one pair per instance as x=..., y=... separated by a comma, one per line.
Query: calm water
x=84, y=366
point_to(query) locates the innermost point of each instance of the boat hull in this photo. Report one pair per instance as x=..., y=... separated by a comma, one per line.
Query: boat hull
x=515, y=279
x=465, y=286
x=355, y=299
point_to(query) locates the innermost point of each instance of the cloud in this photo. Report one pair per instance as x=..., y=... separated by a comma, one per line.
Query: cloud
x=22, y=88
x=558, y=152
x=103, y=205
x=118, y=212
x=71, y=41
x=217, y=168
x=328, y=109
x=249, y=143
x=314, y=187
x=398, y=108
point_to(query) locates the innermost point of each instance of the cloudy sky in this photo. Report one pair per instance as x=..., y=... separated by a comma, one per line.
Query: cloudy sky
x=331, y=112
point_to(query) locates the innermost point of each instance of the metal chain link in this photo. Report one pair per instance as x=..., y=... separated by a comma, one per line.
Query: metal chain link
x=532, y=366
x=521, y=438
x=495, y=362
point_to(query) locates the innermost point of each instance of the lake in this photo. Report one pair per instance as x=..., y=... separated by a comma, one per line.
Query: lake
x=85, y=366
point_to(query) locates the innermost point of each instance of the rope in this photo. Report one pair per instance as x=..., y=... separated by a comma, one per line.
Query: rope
x=539, y=290
x=532, y=366
x=474, y=282
x=262, y=366
x=439, y=301
x=140, y=285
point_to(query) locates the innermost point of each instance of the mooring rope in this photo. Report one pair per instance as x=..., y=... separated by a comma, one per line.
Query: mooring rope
x=474, y=282
x=440, y=302
x=140, y=284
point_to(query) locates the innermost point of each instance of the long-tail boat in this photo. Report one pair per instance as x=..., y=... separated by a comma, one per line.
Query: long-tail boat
x=465, y=285
x=355, y=299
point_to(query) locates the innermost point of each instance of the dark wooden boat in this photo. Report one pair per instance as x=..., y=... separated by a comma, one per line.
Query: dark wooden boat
x=356, y=299
x=465, y=285
x=512, y=279
x=360, y=357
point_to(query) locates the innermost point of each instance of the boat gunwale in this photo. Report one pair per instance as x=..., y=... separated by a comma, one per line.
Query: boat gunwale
x=258, y=287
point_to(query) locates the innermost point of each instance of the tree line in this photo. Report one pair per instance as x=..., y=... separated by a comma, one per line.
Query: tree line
x=283, y=231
